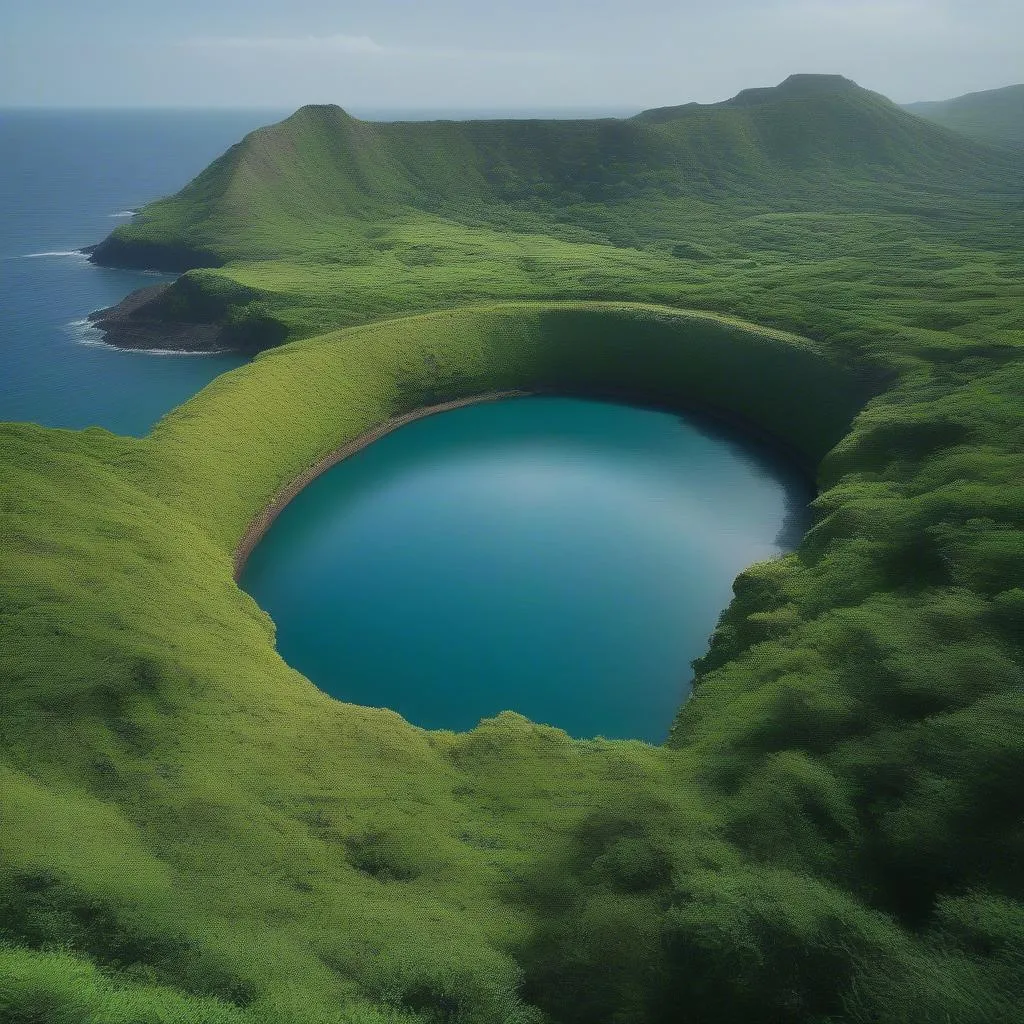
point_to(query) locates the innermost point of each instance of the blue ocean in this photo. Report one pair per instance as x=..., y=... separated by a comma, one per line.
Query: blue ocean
x=66, y=180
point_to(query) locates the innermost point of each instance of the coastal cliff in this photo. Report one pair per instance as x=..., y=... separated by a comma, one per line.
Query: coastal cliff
x=140, y=254
x=137, y=323
x=189, y=315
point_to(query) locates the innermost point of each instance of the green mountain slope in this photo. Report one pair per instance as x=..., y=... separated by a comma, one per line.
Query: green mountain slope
x=322, y=175
x=995, y=116
x=823, y=123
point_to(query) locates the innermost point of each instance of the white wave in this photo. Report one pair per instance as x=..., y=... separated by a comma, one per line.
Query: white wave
x=124, y=213
x=175, y=351
x=86, y=332
x=57, y=252
x=163, y=351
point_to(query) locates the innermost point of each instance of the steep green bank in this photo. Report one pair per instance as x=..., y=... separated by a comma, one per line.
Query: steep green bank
x=833, y=834
x=224, y=454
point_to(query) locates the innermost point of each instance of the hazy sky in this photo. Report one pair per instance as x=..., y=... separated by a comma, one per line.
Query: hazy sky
x=471, y=53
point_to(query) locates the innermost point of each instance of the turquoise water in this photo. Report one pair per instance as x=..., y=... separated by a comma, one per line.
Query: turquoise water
x=561, y=558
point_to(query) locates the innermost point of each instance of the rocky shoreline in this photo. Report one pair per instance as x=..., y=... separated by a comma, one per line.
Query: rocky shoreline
x=136, y=322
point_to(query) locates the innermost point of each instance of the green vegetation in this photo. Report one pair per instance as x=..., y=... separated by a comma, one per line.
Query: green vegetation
x=995, y=116
x=834, y=832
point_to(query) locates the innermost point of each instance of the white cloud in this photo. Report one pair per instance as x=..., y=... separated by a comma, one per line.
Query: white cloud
x=337, y=43
x=916, y=17
x=358, y=46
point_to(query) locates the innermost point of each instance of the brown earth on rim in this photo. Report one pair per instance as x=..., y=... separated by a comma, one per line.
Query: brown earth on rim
x=258, y=527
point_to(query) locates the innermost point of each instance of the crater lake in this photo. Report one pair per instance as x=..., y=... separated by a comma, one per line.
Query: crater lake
x=561, y=558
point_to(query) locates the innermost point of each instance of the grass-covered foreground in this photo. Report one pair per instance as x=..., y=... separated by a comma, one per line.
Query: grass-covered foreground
x=834, y=833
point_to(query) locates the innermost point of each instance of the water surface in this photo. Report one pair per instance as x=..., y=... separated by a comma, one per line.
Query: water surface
x=68, y=178
x=562, y=558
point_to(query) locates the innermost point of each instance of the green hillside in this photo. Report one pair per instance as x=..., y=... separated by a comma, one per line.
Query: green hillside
x=324, y=221
x=834, y=833
x=995, y=116
x=320, y=184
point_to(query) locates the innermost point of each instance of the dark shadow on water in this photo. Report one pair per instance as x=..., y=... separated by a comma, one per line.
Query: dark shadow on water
x=757, y=447
x=772, y=458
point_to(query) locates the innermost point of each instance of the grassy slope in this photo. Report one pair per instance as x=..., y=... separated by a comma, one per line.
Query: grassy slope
x=995, y=116
x=241, y=804
x=749, y=207
x=834, y=830
x=391, y=367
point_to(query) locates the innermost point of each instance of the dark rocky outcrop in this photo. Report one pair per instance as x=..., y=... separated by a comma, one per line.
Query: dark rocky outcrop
x=136, y=254
x=196, y=313
x=138, y=322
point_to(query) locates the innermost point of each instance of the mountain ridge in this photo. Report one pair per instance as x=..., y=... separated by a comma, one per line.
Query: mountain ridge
x=994, y=116
x=816, y=136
